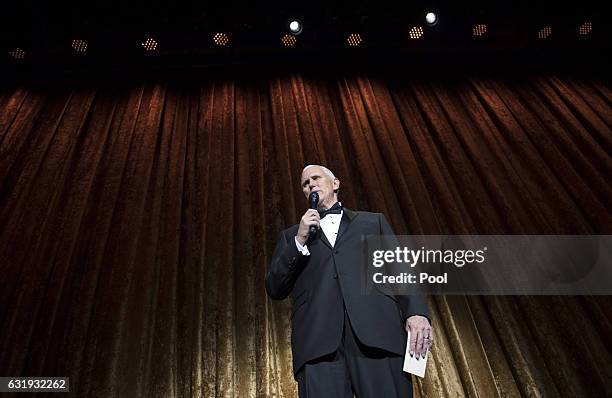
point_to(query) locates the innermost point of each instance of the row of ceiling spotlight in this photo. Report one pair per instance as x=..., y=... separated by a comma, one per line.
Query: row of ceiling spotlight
x=355, y=39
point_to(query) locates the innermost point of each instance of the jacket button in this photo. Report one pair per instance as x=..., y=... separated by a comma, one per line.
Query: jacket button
x=335, y=276
x=335, y=251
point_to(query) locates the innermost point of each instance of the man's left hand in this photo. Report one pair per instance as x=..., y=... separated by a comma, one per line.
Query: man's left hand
x=421, y=336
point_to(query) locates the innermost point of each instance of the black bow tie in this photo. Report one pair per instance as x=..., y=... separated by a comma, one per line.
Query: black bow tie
x=335, y=209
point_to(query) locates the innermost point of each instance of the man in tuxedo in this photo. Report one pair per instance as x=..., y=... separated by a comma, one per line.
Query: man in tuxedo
x=343, y=341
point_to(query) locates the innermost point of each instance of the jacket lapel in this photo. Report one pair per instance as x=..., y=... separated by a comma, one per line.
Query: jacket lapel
x=347, y=218
x=321, y=236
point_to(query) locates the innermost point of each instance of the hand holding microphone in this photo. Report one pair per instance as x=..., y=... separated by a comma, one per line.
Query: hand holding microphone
x=310, y=220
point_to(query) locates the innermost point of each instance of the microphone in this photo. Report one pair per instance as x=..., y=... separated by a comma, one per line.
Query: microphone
x=313, y=200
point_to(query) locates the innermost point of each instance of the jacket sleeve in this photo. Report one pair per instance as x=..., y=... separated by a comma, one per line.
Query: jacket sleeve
x=415, y=304
x=286, y=265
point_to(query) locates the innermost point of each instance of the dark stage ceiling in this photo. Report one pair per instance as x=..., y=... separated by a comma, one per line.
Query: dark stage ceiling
x=102, y=35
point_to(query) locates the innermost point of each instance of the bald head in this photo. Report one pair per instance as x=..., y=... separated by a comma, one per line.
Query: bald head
x=325, y=170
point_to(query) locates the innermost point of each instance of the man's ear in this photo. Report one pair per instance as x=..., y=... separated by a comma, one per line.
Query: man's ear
x=336, y=185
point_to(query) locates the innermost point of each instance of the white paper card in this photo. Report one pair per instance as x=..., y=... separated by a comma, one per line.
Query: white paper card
x=413, y=365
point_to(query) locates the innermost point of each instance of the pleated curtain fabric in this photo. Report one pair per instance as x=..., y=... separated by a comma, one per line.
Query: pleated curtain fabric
x=137, y=220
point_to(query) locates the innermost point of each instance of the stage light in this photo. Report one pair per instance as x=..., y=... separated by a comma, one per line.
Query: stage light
x=79, y=46
x=585, y=29
x=149, y=44
x=479, y=30
x=221, y=39
x=17, y=53
x=544, y=33
x=354, y=40
x=289, y=40
x=415, y=33
x=295, y=27
x=431, y=18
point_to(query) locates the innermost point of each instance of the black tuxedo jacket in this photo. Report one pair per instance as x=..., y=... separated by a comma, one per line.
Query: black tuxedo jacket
x=319, y=284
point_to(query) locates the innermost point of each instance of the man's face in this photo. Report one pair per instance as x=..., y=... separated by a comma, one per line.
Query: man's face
x=314, y=179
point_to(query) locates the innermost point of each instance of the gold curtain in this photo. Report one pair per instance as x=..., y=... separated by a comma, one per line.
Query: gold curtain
x=137, y=220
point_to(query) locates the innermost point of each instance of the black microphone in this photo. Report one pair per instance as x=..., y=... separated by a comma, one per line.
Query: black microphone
x=313, y=200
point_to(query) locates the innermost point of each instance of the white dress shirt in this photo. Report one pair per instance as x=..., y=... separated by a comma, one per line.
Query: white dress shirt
x=330, y=225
